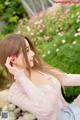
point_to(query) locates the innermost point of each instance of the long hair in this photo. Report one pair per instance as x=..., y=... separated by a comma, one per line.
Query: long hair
x=12, y=45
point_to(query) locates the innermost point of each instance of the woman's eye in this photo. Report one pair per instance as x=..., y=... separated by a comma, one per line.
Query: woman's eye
x=27, y=50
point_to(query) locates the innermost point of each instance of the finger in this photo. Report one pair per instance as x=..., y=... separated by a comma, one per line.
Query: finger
x=10, y=68
x=7, y=64
x=8, y=60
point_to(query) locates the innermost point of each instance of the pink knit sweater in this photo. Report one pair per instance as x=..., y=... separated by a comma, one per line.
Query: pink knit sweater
x=44, y=101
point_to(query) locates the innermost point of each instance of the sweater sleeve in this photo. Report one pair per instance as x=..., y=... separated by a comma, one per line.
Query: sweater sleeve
x=31, y=90
x=17, y=97
x=40, y=101
x=71, y=79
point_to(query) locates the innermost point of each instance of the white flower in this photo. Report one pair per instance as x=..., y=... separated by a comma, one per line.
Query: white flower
x=63, y=41
x=79, y=17
x=57, y=50
x=43, y=55
x=49, y=52
x=54, y=45
x=60, y=34
x=78, y=29
x=28, y=28
x=72, y=16
x=36, y=23
x=79, y=33
x=20, y=21
x=76, y=34
x=32, y=33
x=19, y=32
x=77, y=5
x=7, y=3
x=78, y=20
x=77, y=13
x=57, y=30
x=41, y=30
x=40, y=21
x=74, y=42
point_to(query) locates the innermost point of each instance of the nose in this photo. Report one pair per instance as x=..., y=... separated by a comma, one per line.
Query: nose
x=32, y=53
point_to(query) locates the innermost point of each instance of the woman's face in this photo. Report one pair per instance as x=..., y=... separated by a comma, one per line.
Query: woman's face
x=20, y=60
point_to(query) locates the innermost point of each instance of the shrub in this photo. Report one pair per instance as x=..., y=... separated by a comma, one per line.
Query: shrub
x=57, y=39
x=10, y=12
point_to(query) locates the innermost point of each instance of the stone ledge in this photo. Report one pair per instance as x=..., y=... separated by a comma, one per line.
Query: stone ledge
x=14, y=112
x=3, y=98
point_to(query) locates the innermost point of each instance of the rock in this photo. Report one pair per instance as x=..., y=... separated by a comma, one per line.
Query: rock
x=12, y=116
x=3, y=103
x=4, y=98
x=5, y=108
x=28, y=116
x=21, y=118
x=17, y=110
x=13, y=110
x=8, y=85
x=11, y=107
x=4, y=94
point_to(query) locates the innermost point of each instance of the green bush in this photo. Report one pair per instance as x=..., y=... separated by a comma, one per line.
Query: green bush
x=10, y=12
x=57, y=39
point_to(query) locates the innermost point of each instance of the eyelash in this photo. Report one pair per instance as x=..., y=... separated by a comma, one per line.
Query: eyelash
x=27, y=49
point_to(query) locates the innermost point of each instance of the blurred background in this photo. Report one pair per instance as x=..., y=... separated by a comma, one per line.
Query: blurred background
x=53, y=27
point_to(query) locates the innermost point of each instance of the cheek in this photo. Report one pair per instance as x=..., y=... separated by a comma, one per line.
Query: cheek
x=24, y=62
x=29, y=55
x=20, y=62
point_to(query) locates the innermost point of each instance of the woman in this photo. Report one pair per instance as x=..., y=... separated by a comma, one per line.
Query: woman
x=36, y=86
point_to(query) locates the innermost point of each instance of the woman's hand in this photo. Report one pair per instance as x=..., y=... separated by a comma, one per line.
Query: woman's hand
x=12, y=69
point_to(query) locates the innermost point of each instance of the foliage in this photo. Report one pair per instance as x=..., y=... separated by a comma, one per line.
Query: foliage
x=57, y=39
x=3, y=77
x=10, y=12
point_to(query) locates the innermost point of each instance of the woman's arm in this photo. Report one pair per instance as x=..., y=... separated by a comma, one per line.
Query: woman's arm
x=18, y=97
x=31, y=90
x=36, y=95
x=67, y=79
x=70, y=79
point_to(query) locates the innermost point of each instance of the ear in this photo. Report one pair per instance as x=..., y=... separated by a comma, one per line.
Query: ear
x=13, y=58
